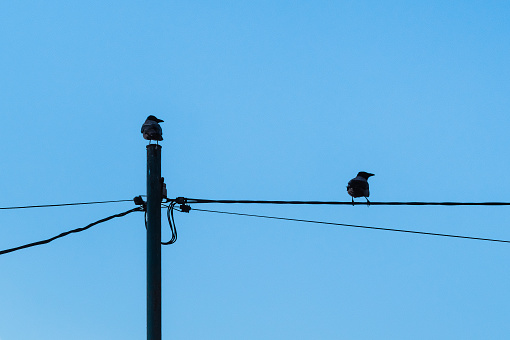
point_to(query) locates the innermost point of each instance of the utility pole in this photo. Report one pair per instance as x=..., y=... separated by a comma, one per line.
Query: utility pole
x=154, y=197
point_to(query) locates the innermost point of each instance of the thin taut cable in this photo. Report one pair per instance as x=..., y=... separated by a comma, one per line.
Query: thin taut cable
x=62, y=204
x=356, y=226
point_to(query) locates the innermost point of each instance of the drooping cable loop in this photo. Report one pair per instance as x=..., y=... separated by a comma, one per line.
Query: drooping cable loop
x=171, y=222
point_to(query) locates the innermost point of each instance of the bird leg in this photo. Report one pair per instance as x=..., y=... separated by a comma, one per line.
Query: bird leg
x=368, y=202
x=352, y=199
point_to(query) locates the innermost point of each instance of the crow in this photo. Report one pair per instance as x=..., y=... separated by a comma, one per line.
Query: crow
x=151, y=129
x=358, y=186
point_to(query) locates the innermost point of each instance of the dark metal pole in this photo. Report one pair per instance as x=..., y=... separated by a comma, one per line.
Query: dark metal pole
x=153, y=242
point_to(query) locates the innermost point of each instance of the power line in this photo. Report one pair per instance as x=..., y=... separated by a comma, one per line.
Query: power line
x=69, y=232
x=62, y=204
x=200, y=200
x=356, y=226
x=182, y=200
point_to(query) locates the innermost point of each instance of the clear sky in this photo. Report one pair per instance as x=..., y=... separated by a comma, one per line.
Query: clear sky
x=276, y=100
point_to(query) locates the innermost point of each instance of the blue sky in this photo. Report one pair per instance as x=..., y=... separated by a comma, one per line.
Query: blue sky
x=261, y=100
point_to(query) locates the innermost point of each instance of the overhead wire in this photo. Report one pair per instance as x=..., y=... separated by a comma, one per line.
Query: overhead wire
x=201, y=200
x=77, y=230
x=183, y=201
x=356, y=226
x=62, y=204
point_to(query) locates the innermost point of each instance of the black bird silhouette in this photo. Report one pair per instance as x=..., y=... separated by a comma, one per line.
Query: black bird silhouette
x=358, y=186
x=151, y=129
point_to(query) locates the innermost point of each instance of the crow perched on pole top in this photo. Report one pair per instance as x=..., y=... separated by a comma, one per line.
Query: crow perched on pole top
x=358, y=186
x=151, y=129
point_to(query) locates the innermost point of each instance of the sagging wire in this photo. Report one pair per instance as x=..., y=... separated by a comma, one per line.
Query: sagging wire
x=171, y=222
x=170, y=215
x=183, y=207
x=170, y=207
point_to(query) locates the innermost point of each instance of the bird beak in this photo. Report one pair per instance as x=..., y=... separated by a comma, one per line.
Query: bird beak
x=159, y=120
x=370, y=175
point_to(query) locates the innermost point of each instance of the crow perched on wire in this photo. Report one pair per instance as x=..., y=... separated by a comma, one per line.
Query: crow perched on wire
x=151, y=129
x=358, y=186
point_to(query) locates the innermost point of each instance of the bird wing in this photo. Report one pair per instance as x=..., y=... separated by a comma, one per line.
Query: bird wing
x=356, y=183
x=158, y=129
x=152, y=130
x=145, y=125
x=358, y=188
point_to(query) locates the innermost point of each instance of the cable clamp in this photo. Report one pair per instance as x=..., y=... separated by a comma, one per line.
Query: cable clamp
x=139, y=201
x=181, y=200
